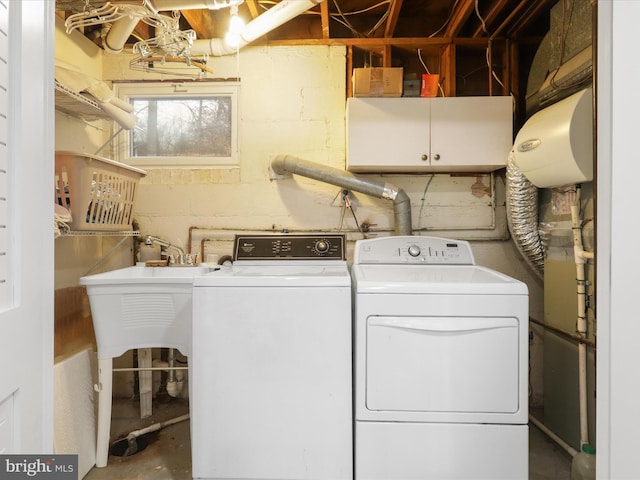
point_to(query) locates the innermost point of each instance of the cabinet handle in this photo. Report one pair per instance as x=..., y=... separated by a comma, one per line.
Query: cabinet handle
x=436, y=156
x=425, y=158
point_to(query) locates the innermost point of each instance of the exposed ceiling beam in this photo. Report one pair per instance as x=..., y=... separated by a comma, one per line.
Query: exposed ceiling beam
x=536, y=9
x=392, y=20
x=514, y=13
x=201, y=21
x=460, y=15
x=324, y=16
x=491, y=16
x=252, y=5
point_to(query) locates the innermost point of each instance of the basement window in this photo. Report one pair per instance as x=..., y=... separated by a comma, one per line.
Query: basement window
x=180, y=124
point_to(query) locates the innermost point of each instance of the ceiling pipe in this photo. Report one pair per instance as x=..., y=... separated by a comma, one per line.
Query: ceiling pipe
x=376, y=188
x=272, y=18
x=167, y=5
x=119, y=33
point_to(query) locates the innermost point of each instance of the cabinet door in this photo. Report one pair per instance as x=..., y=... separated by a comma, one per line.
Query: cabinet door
x=387, y=134
x=470, y=133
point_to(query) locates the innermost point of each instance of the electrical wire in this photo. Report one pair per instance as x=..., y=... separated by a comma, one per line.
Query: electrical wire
x=484, y=25
x=484, y=28
x=427, y=70
x=423, y=198
x=381, y=21
x=348, y=205
x=446, y=22
x=346, y=22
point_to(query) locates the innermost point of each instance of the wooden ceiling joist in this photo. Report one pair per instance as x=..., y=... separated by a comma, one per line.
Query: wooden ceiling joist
x=252, y=5
x=201, y=22
x=324, y=18
x=529, y=16
x=392, y=20
x=514, y=14
x=460, y=15
x=491, y=16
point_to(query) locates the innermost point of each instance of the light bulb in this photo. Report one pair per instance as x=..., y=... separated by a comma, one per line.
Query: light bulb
x=236, y=25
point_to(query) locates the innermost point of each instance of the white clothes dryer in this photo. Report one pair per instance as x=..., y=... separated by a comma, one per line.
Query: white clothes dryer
x=271, y=366
x=441, y=355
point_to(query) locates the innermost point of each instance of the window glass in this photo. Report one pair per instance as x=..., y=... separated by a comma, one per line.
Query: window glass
x=181, y=125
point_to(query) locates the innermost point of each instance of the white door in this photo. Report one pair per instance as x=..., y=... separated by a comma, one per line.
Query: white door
x=26, y=220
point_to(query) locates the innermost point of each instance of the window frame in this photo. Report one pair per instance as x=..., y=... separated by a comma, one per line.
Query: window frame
x=171, y=90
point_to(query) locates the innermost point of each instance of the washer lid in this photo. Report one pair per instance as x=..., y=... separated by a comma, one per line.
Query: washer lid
x=283, y=274
x=421, y=279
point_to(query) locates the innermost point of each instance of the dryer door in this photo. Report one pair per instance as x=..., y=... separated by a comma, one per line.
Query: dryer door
x=450, y=364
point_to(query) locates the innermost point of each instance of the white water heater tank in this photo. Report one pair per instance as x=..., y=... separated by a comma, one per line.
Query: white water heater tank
x=555, y=146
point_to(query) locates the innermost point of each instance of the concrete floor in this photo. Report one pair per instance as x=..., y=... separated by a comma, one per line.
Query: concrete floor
x=168, y=454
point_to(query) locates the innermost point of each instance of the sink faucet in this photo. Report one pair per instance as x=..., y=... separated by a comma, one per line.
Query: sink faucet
x=150, y=240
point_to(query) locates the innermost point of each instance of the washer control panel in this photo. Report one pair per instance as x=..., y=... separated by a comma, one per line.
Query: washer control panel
x=289, y=247
x=413, y=250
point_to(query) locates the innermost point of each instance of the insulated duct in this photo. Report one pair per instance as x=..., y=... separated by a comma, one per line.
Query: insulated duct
x=376, y=188
x=522, y=217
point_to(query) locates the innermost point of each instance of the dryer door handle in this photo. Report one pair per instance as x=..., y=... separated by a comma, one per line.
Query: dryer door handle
x=444, y=324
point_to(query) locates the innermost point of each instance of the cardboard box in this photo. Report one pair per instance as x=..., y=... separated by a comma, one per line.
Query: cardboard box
x=377, y=82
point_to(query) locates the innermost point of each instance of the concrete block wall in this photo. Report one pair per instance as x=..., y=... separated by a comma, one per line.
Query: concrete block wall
x=292, y=101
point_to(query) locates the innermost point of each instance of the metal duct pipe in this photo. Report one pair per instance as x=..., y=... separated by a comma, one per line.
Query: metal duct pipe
x=375, y=188
x=522, y=217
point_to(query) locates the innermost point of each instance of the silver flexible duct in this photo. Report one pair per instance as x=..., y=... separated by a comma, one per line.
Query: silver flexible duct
x=380, y=189
x=522, y=216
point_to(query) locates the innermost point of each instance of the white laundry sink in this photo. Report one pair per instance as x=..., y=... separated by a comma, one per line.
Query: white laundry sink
x=141, y=307
x=141, y=274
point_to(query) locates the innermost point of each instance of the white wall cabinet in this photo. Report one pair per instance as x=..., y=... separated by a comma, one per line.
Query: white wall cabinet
x=442, y=134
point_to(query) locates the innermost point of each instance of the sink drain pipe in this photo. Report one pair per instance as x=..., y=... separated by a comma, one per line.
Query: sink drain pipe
x=376, y=188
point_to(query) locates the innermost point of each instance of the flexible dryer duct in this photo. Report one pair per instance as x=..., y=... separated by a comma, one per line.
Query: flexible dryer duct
x=522, y=217
x=380, y=189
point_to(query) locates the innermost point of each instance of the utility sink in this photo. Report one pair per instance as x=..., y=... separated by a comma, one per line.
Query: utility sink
x=132, y=308
x=142, y=307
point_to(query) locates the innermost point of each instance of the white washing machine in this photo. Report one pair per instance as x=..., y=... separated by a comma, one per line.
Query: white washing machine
x=271, y=365
x=441, y=355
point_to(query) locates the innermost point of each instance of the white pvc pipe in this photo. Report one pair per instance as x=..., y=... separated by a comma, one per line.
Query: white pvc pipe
x=119, y=33
x=272, y=18
x=580, y=257
x=568, y=448
x=277, y=15
x=168, y=5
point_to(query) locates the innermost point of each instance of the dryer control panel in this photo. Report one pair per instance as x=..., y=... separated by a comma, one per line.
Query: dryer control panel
x=289, y=247
x=413, y=250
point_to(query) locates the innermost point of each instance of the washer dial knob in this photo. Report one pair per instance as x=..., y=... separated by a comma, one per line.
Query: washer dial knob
x=322, y=246
x=414, y=250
